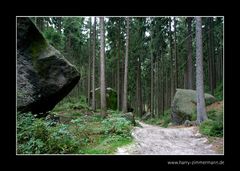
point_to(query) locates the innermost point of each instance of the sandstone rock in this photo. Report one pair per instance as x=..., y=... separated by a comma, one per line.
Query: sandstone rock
x=44, y=76
x=184, y=105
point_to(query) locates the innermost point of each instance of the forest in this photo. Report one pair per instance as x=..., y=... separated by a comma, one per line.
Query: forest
x=126, y=80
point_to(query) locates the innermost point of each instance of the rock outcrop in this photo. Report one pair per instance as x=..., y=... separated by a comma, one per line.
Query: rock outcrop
x=44, y=76
x=184, y=105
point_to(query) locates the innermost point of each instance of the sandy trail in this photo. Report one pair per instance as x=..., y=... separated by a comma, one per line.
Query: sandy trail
x=155, y=140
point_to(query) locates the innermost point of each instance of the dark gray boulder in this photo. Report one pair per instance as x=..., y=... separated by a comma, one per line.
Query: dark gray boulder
x=44, y=76
x=184, y=105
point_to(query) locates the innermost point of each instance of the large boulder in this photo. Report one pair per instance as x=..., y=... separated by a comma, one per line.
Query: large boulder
x=184, y=105
x=44, y=76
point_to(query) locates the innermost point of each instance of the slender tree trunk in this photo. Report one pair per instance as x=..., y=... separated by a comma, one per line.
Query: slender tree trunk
x=171, y=56
x=93, y=65
x=201, y=111
x=152, y=79
x=163, y=90
x=213, y=54
x=89, y=62
x=166, y=90
x=176, y=57
x=140, y=89
x=189, y=63
x=126, y=71
x=102, y=68
x=137, y=91
x=210, y=58
x=118, y=69
x=186, y=77
x=121, y=79
x=156, y=89
x=160, y=87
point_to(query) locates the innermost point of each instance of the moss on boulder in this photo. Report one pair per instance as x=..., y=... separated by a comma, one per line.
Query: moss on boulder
x=44, y=76
x=184, y=105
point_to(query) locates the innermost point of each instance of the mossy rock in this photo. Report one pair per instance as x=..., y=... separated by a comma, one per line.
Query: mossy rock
x=184, y=105
x=44, y=76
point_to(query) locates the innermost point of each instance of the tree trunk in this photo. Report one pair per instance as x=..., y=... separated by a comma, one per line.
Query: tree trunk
x=118, y=68
x=210, y=58
x=124, y=107
x=121, y=79
x=176, y=57
x=89, y=63
x=201, y=111
x=171, y=56
x=93, y=65
x=152, y=79
x=102, y=68
x=158, y=92
x=156, y=75
x=163, y=90
x=213, y=54
x=189, y=59
x=138, y=89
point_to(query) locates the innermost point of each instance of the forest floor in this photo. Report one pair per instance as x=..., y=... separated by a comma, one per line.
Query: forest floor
x=155, y=140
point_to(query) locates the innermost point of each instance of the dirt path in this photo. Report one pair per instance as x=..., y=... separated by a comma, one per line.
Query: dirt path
x=155, y=140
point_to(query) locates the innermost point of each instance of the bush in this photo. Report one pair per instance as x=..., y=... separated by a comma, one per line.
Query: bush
x=62, y=141
x=86, y=133
x=69, y=103
x=163, y=120
x=117, y=125
x=214, y=125
x=211, y=128
x=166, y=117
x=36, y=136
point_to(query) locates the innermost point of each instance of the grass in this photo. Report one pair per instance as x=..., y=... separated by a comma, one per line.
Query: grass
x=106, y=145
x=84, y=133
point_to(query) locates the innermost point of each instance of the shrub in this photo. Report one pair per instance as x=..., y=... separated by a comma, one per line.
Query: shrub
x=117, y=125
x=83, y=134
x=36, y=136
x=163, y=120
x=212, y=128
x=62, y=141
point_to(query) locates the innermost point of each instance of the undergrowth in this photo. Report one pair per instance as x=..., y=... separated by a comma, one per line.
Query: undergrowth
x=84, y=134
x=213, y=126
x=163, y=120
